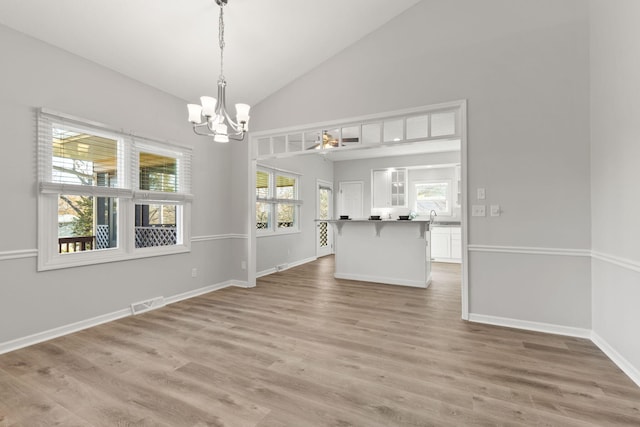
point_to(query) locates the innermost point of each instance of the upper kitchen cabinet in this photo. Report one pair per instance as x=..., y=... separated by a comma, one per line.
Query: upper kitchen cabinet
x=389, y=188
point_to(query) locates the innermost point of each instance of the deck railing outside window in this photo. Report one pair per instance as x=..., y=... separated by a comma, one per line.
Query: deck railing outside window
x=145, y=237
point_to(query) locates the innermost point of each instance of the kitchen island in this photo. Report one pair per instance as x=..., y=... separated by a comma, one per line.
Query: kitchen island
x=394, y=252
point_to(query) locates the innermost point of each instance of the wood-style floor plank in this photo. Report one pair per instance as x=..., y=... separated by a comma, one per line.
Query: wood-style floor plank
x=304, y=349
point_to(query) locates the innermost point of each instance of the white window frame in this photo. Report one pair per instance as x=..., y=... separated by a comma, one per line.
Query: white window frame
x=127, y=194
x=449, y=210
x=273, y=202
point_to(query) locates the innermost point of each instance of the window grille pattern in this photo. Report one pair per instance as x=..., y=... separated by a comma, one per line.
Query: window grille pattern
x=324, y=241
x=102, y=236
x=155, y=236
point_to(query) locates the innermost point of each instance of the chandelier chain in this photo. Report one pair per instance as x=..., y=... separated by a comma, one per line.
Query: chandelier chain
x=221, y=39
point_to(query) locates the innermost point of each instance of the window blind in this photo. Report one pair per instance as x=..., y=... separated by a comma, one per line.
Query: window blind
x=89, y=159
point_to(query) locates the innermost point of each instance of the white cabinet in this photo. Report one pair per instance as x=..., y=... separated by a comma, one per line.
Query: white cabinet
x=440, y=243
x=456, y=243
x=381, y=194
x=446, y=244
x=389, y=188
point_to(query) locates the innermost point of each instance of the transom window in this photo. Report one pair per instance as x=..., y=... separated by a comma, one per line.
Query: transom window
x=420, y=124
x=277, y=203
x=107, y=196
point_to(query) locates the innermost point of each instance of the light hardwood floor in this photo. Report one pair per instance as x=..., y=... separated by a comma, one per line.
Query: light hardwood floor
x=303, y=349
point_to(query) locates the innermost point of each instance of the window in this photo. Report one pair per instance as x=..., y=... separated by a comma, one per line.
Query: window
x=441, y=122
x=433, y=195
x=277, y=203
x=106, y=196
x=157, y=218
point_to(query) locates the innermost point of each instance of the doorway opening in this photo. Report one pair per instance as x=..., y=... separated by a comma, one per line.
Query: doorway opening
x=409, y=134
x=324, y=213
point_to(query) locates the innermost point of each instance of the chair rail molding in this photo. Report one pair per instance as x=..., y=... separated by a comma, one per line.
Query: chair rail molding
x=18, y=254
x=616, y=260
x=530, y=250
x=33, y=253
x=218, y=237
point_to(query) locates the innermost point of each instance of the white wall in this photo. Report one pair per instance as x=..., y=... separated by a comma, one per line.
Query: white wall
x=34, y=74
x=615, y=150
x=523, y=66
x=360, y=170
x=273, y=250
x=238, y=211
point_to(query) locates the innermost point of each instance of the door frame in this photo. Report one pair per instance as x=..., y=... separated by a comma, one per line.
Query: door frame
x=326, y=184
x=252, y=155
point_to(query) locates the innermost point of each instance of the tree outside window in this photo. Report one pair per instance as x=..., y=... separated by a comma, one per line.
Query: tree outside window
x=433, y=196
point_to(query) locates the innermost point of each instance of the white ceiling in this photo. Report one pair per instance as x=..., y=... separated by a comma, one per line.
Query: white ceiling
x=173, y=44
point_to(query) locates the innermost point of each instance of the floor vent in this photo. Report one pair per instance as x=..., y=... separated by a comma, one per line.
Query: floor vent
x=281, y=267
x=142, y=306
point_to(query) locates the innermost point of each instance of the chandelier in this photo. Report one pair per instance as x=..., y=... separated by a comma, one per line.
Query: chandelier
x=211, y=117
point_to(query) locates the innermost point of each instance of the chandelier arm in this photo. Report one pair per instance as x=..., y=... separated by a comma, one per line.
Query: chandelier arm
x=195, y=130
x=238, y=137
x=235, y=126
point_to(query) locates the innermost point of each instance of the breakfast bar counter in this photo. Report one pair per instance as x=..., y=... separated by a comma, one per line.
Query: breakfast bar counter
x=395, y=252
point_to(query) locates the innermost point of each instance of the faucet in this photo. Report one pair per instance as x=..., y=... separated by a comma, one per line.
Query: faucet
x=432, y=216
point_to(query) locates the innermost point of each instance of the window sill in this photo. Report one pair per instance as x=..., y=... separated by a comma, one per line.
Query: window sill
x=83, y=259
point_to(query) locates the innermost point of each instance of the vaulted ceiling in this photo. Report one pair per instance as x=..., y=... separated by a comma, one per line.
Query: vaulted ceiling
x=173, y=45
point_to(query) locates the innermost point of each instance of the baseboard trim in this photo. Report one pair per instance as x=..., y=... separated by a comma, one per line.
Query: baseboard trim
x=266, y=272
x=622, y=363
x=303, y=261
x=530, y=326
x=200, y=291
x=18, y=343
x=385, y=280
x=530, y=250
x=288, y=266
x=39, y=337
x=242, y=284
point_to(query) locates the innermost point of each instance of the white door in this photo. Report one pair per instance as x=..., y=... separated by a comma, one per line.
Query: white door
x=324, y=208
x=351, y=199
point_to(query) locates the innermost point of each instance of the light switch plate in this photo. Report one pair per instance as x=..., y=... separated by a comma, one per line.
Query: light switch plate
x=481, y=194
x=478, y=210
x=495, y=210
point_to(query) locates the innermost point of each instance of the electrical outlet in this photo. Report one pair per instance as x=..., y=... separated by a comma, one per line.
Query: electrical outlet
x=478, y=210
x=194, y=272
x=495, y=210
x=243, y=265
